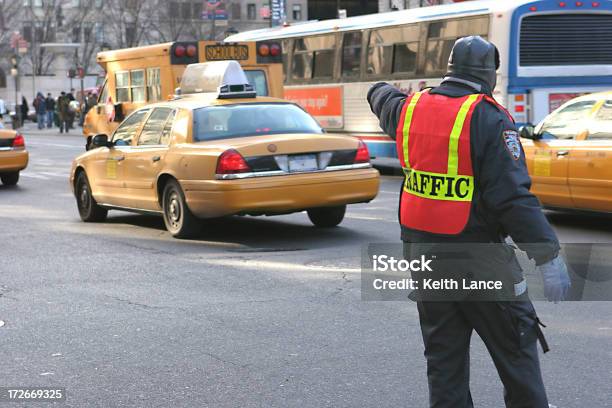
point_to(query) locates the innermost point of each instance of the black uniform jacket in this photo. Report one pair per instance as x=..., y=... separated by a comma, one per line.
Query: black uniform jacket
x=502, y=203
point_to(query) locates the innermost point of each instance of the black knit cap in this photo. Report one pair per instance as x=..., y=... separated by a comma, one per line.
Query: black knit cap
x=474, y=57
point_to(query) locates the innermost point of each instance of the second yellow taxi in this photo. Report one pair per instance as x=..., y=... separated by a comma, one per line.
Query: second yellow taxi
x=219, y=150
x=569, y=155
x=13, y=156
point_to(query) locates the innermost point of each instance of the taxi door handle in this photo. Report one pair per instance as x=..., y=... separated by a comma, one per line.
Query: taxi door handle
x=562, y=153
x=155, y=159
x=119, y=158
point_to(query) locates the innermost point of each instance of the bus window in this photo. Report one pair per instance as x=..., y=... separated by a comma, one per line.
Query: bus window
x=314, y=57
x=137, y=84
x=257, y=78
x=286, y=47
x=441, y=36
x=393, y=50
x=351, y=54
x=122, y=86
x=153, y=85
x=103, y=97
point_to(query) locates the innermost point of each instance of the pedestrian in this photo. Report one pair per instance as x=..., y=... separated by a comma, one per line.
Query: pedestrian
x=71, y=108
x=63, y=106
x=24, y=109
x=457, y=134
x=50, y=106
x=41, y=110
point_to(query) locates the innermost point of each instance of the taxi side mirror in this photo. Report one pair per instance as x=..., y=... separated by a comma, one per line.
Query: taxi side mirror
x=100, y=140
x=528, y=132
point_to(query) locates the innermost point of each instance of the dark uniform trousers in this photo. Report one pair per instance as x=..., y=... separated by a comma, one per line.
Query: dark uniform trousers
x=447, y=328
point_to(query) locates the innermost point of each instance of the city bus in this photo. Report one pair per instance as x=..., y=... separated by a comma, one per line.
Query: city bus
x=142, y=75
x=551, y=51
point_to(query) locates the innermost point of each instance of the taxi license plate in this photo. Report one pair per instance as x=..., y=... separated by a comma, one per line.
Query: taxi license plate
x=221, y=52
x=305, y=162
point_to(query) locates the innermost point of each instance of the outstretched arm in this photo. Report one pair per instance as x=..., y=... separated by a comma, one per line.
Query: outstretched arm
x=386, y=103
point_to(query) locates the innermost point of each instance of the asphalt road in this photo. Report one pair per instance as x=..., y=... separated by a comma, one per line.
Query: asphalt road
x=256, y=312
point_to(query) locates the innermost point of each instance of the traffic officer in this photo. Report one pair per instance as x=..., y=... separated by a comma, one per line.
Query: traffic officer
x=466, y=181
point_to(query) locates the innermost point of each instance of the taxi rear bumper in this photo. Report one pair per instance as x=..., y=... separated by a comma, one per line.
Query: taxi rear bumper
x=279, y=194
x=13, y=160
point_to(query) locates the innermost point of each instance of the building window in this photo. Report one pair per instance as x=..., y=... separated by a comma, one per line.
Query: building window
x=39, y=34
x=130, y=35
x=251, y=11
x=186, y=11
x=38, y=3
x=236, y=11
x=87, y=34
x=99, y=33
x=197, y=10
x=173, y=9
x=153, y=84
x=76, y=34
x=27, y=3
x=99, y=3
x=297, y=12
x=27, y=33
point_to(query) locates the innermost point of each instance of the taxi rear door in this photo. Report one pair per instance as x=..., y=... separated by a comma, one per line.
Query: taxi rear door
x=549, y=157
x=144, y=161
x=590, y=168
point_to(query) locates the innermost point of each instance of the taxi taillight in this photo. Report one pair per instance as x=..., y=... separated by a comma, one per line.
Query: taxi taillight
x=362, y=155
x=232, y=162
x=19, y=141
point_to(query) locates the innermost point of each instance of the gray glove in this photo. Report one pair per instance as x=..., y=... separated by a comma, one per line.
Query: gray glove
x=556, y=279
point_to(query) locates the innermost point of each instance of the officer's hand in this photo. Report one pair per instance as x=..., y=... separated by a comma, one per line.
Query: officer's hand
x=556, y=279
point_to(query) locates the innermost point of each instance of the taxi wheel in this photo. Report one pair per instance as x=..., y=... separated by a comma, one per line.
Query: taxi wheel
x=327, y=217
x=89, y=210
x=10, y=179
x=179, y=220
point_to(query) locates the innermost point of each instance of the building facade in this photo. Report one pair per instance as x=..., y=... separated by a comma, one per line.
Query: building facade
x=51, y=37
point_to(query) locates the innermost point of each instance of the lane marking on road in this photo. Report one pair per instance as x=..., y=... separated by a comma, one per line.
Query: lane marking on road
x=272, y=265
x=34, y=175
x=366, y=218
x=36, y=144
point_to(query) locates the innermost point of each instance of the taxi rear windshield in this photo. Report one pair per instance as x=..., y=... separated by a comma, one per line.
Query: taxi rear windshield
x=222, y=122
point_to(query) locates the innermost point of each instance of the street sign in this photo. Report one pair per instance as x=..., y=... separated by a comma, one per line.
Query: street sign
x=277, y=11
x=215, y=10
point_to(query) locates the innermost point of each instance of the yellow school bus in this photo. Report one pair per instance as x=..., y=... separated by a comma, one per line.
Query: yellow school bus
x=142, y=75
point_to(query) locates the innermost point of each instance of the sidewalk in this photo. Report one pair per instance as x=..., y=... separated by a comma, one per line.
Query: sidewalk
x=31, y=128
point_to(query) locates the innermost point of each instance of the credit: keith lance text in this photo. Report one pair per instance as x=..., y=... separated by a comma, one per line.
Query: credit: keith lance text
x=436, y=284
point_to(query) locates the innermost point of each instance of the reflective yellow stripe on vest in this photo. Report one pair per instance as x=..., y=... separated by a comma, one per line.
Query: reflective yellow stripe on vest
x=435, y=186
x=407, y=123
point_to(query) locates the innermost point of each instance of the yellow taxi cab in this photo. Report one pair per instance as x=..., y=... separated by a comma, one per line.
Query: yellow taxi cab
x=13, y=156
x=219, y=150
x=569, y=154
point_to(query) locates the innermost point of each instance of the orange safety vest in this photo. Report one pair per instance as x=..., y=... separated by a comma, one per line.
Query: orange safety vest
x=433, y=145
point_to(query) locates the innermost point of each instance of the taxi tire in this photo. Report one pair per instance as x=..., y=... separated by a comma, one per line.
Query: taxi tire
x=10, y=179
x=179, y=220
x=327, y=217
x=90, y=211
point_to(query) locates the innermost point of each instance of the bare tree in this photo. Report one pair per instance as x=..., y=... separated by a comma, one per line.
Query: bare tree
x=128, y=20
x=88, y=31
x=44, y=21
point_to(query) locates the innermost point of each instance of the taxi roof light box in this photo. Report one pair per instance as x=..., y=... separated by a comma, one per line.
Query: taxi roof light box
x=225, y=78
